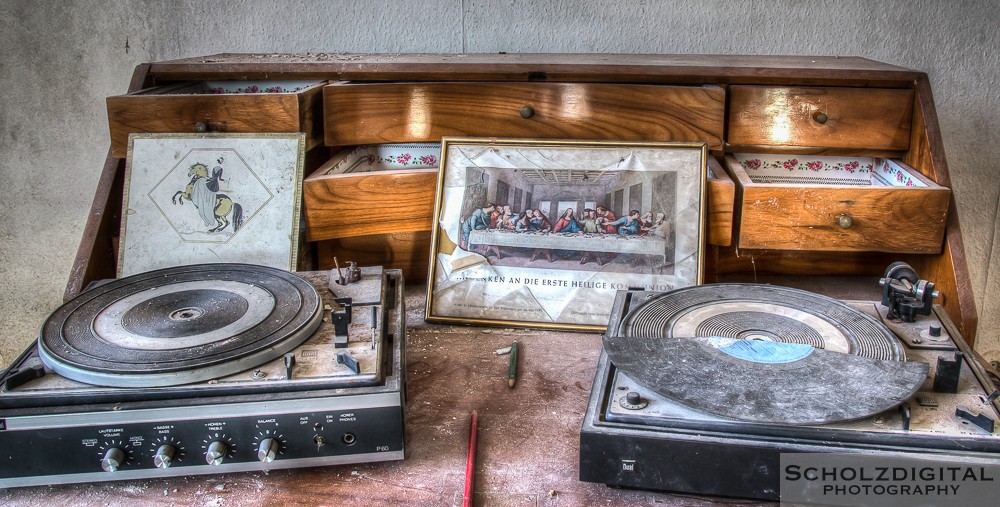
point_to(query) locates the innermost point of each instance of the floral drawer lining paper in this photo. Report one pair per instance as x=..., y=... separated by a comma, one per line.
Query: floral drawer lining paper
x=850, y=171
x=383, y=157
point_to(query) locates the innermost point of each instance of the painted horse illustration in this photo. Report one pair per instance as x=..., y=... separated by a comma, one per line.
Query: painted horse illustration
x=213, y=207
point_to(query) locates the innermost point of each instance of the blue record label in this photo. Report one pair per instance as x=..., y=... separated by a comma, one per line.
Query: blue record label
x=762, y=351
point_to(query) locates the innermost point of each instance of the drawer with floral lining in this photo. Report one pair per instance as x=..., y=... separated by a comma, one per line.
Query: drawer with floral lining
x=822, y=203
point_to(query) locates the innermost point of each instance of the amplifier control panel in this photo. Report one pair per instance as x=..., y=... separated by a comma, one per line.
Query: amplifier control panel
x=191, y=440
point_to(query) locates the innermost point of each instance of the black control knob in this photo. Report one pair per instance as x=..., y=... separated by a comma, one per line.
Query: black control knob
x=216, y=453
x=633, y=398
x=113, y=459
x=164, y=456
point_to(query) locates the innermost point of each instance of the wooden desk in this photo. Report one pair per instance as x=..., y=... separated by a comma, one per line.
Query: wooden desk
x=835, y=106
x=528, y=436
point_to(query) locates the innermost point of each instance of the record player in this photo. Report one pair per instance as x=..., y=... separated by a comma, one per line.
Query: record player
x=209, y=368
x=700, y=390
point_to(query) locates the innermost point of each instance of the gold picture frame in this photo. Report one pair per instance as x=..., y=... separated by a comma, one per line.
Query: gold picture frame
x=560, y=269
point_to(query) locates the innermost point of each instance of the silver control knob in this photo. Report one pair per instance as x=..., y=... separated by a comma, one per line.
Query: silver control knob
x=164, y=456
x=216, y=453
x=113, y=459
x=267, y=450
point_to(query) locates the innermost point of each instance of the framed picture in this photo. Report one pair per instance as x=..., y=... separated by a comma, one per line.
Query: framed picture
x=544, y=233
x=202, y=198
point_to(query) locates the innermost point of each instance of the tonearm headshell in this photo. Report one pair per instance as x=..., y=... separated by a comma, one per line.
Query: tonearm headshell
x=905, y=295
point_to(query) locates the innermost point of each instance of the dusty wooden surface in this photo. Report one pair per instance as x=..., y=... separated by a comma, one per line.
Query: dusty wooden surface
x=528, y=437
x=622, y=68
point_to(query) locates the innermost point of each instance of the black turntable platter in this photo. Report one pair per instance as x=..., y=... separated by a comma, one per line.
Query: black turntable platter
x=760, y=312
x=763, y=353
x=179, y=325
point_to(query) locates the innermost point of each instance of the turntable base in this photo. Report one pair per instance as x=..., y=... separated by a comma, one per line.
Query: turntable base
x=643, y=429
x=312, y=402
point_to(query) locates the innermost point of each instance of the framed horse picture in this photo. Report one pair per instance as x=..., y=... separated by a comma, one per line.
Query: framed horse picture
x=203, y=198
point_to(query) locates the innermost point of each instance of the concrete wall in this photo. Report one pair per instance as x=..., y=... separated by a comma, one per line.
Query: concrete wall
x=59, y=59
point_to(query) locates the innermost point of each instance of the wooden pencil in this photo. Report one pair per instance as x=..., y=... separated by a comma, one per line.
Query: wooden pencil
x=470, y=463
x=512, y=369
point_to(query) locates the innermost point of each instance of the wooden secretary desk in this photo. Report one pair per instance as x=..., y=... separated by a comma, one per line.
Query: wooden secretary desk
x=826, y=238
x=797, y=106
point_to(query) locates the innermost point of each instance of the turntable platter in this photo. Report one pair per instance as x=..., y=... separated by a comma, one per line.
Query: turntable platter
x=762, y=353
x=760, y=312
x=179, y=325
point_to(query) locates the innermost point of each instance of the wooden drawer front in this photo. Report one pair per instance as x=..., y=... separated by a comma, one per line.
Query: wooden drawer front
x=424, y=112
x=157, y=111
x=810, y=217
x=857, y=118
x=408, y=251
x=345, y=205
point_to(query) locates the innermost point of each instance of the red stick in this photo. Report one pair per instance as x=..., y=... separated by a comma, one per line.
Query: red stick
x=470, y=463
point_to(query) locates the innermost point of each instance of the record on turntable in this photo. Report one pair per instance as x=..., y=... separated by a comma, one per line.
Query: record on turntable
x=763, y=353
x=705, y=389
x=207, y=369
x=179, y=325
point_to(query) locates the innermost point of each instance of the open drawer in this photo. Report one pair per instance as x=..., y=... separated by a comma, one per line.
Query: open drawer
x=218, y=106
x=374, y=189
x=801, y=202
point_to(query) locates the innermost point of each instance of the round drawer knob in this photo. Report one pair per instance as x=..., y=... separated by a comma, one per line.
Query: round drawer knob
x=201, y=127
x=845, y=221
x=527, y=112
x=821, y=118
